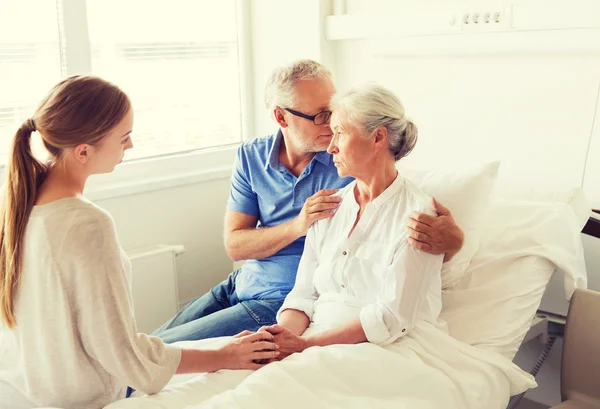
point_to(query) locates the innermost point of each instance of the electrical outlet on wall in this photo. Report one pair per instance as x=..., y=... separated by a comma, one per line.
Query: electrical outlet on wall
x=486, y=19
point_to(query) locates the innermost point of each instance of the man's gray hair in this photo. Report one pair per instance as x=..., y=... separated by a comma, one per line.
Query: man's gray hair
x=279, y=91
x=370, y=106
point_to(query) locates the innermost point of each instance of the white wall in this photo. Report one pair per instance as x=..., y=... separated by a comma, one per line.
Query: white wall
x=191, y=215
x=591, y=183
x=535, y=112
x=283, y=31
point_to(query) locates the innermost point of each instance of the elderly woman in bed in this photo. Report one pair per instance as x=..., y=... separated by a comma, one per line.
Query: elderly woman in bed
x=359, y=280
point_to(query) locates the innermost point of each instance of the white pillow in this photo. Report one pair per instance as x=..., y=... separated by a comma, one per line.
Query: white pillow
x=466, y=194
x=521, y=244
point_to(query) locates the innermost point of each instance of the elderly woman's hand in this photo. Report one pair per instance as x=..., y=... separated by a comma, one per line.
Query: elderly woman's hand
x=437, y=235
x=286, y=340
x=248, y=350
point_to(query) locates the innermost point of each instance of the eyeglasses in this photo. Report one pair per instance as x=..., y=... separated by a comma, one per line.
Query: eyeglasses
x=319, y=119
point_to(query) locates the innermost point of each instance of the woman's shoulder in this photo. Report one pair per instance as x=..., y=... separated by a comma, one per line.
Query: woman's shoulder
x=76, y=215
x=320, y=228
x=92, y=218
x=417, y=199
x=79, y=206
x=73, y=227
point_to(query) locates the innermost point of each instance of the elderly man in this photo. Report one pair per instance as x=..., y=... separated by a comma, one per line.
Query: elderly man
x=281, y=184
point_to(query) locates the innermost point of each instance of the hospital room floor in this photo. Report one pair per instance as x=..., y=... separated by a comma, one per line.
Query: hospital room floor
x=528, y=404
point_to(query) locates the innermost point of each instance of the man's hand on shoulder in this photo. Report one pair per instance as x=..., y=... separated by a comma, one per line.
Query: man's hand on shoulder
x=435, y=234
x=321, y=205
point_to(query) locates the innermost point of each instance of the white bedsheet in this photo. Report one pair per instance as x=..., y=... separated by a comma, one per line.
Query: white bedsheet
x=425, y=369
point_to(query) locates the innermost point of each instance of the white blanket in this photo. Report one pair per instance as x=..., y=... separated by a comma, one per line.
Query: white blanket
x=425, y=369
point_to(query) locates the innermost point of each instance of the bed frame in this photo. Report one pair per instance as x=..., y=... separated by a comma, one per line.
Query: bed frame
x=592, y=227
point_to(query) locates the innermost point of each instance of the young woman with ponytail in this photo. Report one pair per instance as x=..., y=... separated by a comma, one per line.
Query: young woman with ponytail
x=67, y=332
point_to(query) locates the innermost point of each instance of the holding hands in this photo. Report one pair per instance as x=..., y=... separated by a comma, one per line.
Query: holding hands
x=286, y=341
x=249, y=350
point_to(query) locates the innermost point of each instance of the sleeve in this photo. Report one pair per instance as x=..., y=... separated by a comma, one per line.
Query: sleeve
x=104, y=311
x=304, y=294
x=405, y=287
x=242, y=197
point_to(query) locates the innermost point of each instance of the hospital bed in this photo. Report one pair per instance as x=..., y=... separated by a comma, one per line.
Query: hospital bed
x=491, y=295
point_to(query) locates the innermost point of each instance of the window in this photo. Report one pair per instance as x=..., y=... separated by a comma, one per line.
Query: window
x=30, y=62
x=177, y=60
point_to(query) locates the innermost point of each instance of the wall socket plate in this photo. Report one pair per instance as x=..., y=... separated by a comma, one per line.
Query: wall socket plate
x=486, y=19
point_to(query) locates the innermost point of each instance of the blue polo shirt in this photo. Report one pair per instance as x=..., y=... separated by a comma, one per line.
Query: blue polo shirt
x=262, y=186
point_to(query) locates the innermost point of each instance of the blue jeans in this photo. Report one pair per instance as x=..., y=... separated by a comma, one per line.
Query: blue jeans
x=219, y=313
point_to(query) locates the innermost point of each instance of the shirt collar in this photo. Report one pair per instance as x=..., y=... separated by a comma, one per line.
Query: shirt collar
x=391, y=190
x=323, y=157
x=273, y=160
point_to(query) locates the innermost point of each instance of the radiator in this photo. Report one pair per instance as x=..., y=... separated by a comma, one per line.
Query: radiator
x=154, y=285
